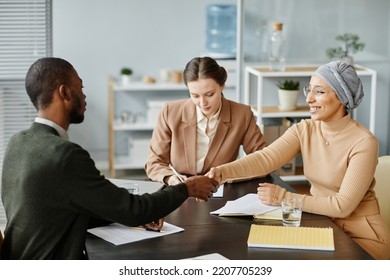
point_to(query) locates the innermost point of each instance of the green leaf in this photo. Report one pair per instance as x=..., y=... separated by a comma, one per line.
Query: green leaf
x=288, y=85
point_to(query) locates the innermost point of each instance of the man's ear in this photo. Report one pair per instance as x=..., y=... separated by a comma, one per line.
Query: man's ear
x=65, y=92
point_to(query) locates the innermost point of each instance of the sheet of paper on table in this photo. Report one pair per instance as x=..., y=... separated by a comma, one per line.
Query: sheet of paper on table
x=247, y=205
x=144, y=186
x=219, y=192
x=212, y=256
x=118, y=234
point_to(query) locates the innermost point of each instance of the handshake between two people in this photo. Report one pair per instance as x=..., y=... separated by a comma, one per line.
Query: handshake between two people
x=202, y=187
x=211, y=181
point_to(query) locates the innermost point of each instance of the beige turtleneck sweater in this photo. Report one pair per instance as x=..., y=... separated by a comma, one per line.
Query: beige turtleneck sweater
x=341, y=173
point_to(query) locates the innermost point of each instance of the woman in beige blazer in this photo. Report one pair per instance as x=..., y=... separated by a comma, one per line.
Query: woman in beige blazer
x=203, y=131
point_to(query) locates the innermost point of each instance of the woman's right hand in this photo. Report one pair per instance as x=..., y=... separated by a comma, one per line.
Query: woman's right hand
x=215, y=174
x=266, y=193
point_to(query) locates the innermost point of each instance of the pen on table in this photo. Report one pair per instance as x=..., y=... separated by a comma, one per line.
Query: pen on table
x=176, y=173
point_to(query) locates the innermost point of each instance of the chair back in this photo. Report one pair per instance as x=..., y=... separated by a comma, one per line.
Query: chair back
x=382, y=187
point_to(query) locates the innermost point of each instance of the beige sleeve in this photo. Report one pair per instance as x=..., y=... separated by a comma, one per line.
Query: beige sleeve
x=265, y=161
x=159, y=149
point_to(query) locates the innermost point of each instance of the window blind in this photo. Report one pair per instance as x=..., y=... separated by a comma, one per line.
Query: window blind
x=25, y=36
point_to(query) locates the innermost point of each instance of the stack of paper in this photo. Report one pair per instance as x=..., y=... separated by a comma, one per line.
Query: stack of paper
x=309, y=238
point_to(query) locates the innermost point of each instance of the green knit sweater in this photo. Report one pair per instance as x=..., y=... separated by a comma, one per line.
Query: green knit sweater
x=52, y=191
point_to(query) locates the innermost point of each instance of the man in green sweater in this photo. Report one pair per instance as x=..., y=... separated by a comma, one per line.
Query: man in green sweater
x=51, y=190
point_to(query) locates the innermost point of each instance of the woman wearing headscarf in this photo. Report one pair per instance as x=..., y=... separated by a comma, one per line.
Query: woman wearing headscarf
x=339, y=158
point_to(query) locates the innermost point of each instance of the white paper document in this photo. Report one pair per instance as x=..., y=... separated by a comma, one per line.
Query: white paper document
x=118, y=234
x=144, y=186
x=247, y=205
x=212, y=256
x=219, y=192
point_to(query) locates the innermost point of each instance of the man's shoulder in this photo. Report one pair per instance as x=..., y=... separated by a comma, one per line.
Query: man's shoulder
x=44, y=137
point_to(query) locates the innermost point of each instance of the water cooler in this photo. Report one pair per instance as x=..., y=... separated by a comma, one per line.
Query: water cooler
x=221, y=31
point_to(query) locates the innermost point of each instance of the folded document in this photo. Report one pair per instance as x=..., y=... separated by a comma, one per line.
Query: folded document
x=247, y=205
x=271, y=215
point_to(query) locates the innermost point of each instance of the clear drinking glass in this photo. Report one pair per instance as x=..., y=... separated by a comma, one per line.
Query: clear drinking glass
x=292, y=212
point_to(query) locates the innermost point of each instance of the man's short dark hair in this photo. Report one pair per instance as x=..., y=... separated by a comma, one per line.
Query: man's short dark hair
x=44, y=76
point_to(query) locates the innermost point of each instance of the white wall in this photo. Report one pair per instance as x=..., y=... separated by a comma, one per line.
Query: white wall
x=100, y=36
x=310, y=27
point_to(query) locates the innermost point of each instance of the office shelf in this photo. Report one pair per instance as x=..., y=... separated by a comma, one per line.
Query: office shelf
x=134, y=97
x=126, y=163
x=133, y=127
x=261, y=73
x=275, y=112
x=145, y=87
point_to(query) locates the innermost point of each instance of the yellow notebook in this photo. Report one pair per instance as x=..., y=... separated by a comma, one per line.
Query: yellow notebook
x=309, y=238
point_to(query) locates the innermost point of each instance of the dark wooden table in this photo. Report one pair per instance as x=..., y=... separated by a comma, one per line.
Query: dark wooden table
x=205, y=234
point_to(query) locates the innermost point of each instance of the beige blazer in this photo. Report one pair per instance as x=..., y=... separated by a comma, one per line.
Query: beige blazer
x=174, y=138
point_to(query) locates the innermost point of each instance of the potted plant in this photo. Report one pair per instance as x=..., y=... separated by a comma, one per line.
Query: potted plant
x=125, y=74
x=350, y=45
x=288, y=92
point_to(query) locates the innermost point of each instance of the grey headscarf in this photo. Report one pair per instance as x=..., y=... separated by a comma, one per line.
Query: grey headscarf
x=345, y=82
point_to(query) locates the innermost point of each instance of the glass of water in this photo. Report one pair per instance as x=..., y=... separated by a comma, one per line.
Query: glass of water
x=292, y=212
x=131, y=187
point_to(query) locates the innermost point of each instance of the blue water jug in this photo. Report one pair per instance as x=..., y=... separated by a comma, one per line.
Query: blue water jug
x=221, y=30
